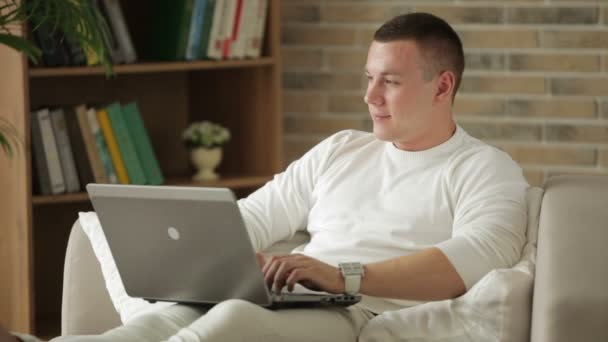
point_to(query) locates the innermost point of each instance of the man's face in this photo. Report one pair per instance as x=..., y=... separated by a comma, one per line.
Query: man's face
x=400, y=101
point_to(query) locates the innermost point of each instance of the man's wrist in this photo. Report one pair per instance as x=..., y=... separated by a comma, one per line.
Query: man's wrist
x=352, y=274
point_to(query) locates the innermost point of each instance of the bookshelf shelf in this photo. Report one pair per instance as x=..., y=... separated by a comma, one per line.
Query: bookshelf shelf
x=152, y=67
x=233, y=182
x=243, y=95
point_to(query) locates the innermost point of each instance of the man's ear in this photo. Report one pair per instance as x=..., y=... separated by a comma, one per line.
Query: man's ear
x=445, y=86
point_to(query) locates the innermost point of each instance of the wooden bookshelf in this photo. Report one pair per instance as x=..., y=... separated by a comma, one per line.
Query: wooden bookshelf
x=233, y=182
x=152, y=67
x=243, y=95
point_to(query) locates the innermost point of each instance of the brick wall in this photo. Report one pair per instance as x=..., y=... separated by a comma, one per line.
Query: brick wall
x=535, y=83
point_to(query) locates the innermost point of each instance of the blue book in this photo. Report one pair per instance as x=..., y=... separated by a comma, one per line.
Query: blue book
x=196, y=29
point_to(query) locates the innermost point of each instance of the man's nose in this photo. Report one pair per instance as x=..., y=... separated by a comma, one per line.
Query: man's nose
x=373, y=95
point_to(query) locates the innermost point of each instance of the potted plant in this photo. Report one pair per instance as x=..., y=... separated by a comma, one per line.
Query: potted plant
x=79, y=21
x=205, y=139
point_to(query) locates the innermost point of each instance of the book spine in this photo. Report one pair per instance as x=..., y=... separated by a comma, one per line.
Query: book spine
x=142, y=143
x=50, y=151
x=207, y=24
x=116, y=51
x=77, y=55
x=102, y=147
x=246, y=28
x=99, y=174
x=214, y=50
x=125, y=144
x=184, y=29
x=83, y=165
x=52, y=49
x=64, y=148
x=42, y=169
x=230, y=27
x=257, y=40
x=196, y=29
x=119, y=25
x=108, y=134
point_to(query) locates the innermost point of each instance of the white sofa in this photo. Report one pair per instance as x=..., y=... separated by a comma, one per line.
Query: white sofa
x=570, y=300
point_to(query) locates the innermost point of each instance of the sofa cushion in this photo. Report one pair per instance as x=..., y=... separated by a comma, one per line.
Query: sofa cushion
x=497, y=308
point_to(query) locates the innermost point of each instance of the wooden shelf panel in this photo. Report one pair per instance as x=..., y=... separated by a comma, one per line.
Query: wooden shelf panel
x=150, y=67
x=232, y=182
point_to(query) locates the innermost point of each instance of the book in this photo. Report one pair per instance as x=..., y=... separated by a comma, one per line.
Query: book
x=228, y=26
x=232, y=38
x=108, y=134
x=196, y=29
x=81, y=157
x=120, y=29
x=64, y=148
x=206, y=30
x=254, y=48
x=125, y=144
x=115, y=51
x=99, y=173
x=54, y=51
x=75, y=52
x=40, y=166
x=170, y=28
x=214, y=48
x=245, y=30
x=143, y=145
x=102, y=147
x=46, y=154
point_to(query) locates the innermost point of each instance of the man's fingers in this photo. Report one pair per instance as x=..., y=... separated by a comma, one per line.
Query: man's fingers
x=261, y=259
x=271, y=268
x=285, y=268
x=293, y=279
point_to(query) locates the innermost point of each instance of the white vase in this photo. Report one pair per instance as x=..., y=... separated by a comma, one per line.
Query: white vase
x=206, y=160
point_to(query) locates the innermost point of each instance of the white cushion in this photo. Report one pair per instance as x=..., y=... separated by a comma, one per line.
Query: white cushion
x=127, y=307
x=497, y=308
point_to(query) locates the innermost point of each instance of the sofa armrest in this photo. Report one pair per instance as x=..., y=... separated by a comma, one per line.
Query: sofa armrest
x=86, y=307
x=571, y=285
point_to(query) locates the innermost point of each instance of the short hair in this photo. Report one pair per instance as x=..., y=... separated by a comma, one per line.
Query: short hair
x=439, y=44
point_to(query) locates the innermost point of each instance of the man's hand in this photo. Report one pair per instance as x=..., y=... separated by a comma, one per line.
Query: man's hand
x=287, y=270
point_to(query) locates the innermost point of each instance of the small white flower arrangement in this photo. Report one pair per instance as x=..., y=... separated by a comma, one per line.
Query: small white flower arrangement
x=205, y=134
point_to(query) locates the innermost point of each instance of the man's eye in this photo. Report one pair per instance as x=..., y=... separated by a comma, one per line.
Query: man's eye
x=390, y=82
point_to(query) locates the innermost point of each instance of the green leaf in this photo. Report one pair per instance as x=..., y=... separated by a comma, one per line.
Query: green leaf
x=22, y=45
x=6, y=146
x=9, y=137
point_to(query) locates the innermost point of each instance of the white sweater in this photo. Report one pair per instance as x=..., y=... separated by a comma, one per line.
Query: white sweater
x=362, y=199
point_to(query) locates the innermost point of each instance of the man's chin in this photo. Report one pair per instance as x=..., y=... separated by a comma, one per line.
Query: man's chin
x=382, y=135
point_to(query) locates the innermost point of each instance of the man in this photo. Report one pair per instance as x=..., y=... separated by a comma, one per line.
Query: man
x=425, y=209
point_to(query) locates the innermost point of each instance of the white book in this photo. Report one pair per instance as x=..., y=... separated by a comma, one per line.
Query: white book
x=50, y=151
x=246, y=27
x=254, y=47
x=214, y=50
x=228, y=26
x=64, y=148
x=119, y=27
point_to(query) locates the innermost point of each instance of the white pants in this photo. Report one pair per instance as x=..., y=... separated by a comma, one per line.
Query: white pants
x=238, y=320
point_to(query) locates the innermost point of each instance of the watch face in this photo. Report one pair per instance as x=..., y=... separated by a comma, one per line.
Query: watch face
x=351, y=268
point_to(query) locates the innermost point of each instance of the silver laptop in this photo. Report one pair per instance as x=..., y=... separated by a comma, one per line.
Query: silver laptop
x=187, y=245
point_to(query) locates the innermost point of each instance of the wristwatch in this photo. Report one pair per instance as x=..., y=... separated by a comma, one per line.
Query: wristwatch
x=352, y=273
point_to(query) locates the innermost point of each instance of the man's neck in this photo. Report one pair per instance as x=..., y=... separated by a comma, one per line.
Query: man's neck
x=436, y=137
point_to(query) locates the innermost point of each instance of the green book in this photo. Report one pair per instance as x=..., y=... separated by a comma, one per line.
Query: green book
x=206, y=32
x=142, y=143
x=125, y=144
x=170, y=28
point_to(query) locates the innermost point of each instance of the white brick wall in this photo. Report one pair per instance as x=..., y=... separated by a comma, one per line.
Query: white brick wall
x=535, y=85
